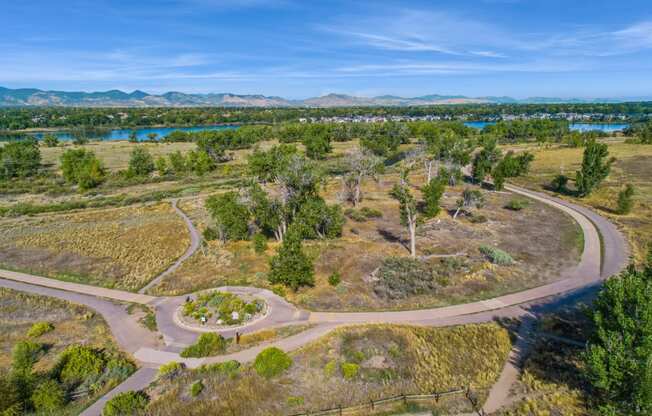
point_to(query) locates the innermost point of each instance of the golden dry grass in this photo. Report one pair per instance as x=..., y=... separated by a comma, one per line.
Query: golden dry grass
x=392, y=360
x=122, y=248
x=633, y=165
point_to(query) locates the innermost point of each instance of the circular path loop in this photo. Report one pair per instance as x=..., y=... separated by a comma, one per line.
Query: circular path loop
x=605, y=254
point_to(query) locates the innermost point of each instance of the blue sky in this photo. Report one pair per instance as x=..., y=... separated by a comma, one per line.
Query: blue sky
x=297, y=49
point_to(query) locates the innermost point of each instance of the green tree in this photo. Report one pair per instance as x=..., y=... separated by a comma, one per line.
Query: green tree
x=82, y=167
x=290, y=266
x=19, y=159
x=200, y=162
x=317, y=142
x=48, y=397
x=315, y=219
x=178, y=163
x=484, y=160
x=133, y=137
x=50, y=140
x=152, y=137
x=619, y=353
x=408, y=210
x=595, y=167
x=267, y=165
x=432, y=193
x=626, y=200
x=125, y=404
x=161, y=165
x=230, y=215
x=141, y=162
x=470, y=199
x=362, y=164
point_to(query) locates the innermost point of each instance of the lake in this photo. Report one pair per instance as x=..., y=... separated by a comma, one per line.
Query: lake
x=604, y=127
x=141, y=133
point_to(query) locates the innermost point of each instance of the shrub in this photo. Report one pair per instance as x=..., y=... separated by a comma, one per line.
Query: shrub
x=560, y=183
x=170, y=370
x=626, y=200
x=350, y=370
x=24, y=355
x=334, y=279
x=208, y=344
x=271, y=362
x=278, y=290
x=260, y=243
x=50, y=140
x=79, y=363
x=516, y=204
x=48, y=397
x=141, y=162
x=227, y=368
x=39, y=328
x=370, y=212
x=209, y=234
x=82, y=167
x=331, y=368
x=126, y=404
x=295, y=401
x=355, y=215
x=496, y=255
x=19, y=159
x=477, y=219
x=400, y=277
x=196, y=388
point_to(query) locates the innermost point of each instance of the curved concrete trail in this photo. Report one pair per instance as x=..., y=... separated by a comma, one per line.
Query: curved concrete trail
x=596, y=264
x=195, y=240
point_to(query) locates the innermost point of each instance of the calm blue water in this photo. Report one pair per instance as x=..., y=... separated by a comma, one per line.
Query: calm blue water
x=123, y=134
x=605, y=127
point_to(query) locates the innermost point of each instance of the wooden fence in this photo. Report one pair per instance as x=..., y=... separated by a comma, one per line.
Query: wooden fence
x=373, y=405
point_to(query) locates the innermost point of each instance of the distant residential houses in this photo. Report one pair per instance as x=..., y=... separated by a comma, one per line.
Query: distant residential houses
x=572, y=117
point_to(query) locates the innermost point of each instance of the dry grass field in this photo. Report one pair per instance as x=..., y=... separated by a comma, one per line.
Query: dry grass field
x=121, y=248
x=347, y=367
x=633, y=165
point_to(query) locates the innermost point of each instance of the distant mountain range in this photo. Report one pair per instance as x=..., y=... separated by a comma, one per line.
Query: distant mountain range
x=25, y=97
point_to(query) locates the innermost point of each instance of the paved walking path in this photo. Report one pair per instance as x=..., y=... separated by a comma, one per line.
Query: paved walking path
x=596, y=264
x=195, y=240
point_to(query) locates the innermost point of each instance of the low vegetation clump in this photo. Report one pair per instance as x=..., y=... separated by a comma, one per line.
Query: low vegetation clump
x=516, y=204
x=496, y=255
x=400, y=277
x=626, y=200
x=170, y=370
x=226, y=308
x=196, y=388
x=126, y=403
x=363, y=214
x=39, y=328
x=272, y=362
x=207, y=344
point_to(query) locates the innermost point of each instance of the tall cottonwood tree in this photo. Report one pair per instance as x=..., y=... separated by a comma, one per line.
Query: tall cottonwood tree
x=409, y=213
x=362, y=164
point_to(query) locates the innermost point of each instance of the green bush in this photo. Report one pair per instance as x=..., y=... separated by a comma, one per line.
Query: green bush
x=227, y=368
x=295, y=401
x=48, y=397
x=82, y=167
x=196, y=388
x=209, y=234
x=626, y=200
x=170, y=370
x=291, y=266
x=516, y=204
x=496, y=255
x=370, y=212
x=19, y=159
x=350, y=370
x=560, y=183
x=355, y=215
x=272, y=362
x=330, y=368
x=79, y=363
x=39, y=328
x=24, y=355
x=260, y=243
x=208, y=344
x=141, y=162
x=126, y=404
x=334, y=279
